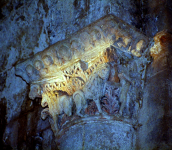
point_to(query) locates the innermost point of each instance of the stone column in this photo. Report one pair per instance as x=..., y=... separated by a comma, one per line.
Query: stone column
x=155, y=115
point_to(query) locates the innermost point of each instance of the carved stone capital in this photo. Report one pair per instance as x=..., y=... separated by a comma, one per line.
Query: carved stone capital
x=97, y=70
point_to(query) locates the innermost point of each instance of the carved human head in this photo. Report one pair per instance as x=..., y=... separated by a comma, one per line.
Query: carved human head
x=96, y=35
x=65, y=53
x=75, y=44
x=47, y=60
x=85, y=38
x=29, y=70
x=38, y=65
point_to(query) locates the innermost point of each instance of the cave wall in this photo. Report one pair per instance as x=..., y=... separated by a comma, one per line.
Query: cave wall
x=27, y=27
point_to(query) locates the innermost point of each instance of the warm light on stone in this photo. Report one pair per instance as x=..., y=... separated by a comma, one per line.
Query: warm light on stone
x=161, y=49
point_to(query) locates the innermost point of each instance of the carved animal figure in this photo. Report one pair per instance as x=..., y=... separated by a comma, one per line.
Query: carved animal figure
x=57, y=105
x=63, y=103
x=80, y=102
x=94, y=88
x=66, y=102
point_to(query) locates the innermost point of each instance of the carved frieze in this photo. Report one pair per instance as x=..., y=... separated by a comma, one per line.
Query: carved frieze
x=97, y=70
x=85, y=45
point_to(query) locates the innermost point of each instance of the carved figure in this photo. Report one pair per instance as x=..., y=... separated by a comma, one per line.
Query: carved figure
x=94, y=91
x=94, y=88
x=125, y=82
x=85, y=38
x=52, y=120
x=57, y=104
x=80, y=102
x=29, y=70
x=76, y=45
x=39, y=66
x=31, y=73
x=45, y=113
x=64, y=54
x=104, y=72
x=126, y=41
x=67, y=104
x=96, y=36
x=55, y=56
x=140, y=45
x=48, y=61
x=113, y=75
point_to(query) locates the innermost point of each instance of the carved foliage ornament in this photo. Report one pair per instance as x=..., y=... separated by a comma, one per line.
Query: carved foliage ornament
x=83, y=75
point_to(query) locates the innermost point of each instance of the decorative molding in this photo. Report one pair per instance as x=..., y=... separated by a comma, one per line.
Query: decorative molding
x=86, y=45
